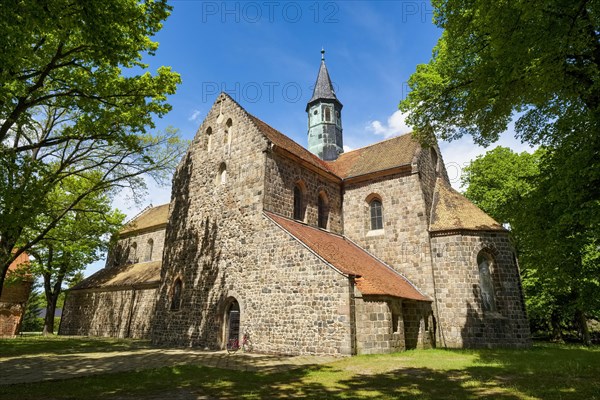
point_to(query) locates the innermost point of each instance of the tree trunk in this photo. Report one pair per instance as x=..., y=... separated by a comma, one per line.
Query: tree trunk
x=583, y=327
x=49, y=320
x=556, y=335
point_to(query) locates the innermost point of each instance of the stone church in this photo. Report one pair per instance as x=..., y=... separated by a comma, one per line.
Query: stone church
x=308, y=251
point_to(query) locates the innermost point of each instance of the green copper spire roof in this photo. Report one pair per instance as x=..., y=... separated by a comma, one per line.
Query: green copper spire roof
x=323, y=87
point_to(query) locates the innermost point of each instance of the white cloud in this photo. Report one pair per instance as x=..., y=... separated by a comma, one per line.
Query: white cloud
x=396, y=125
x=347, y=148
x=456, y=154
x=194, y=115
x=459, y=153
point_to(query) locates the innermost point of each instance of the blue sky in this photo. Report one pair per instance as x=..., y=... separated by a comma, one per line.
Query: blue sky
x=266, y=55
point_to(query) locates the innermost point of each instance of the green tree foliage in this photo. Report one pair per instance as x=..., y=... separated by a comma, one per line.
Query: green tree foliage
x=538, y=58
x=78, y=239
x=75, y=96
x=35, y=303
x=557, y=242
x=537, y=62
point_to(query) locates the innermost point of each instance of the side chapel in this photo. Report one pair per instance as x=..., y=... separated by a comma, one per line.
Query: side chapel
x=309, y=251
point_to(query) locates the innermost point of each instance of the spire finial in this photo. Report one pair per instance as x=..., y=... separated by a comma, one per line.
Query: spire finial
x=322, y=54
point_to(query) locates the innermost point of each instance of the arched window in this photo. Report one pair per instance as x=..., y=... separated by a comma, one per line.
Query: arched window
x=327, y=113
x=209, y=139
x=222, y=174
x=299, y=207
x=176, y=295
x=132, y=257
x=228, y=133
x=323, y=209
x=149, y=248
x=486, y=284
x=376, y=209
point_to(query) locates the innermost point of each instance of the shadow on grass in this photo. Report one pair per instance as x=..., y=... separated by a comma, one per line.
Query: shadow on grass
x=543, y=372
x=22, y=346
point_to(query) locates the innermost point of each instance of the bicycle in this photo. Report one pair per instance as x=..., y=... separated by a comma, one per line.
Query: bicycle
x=234, y=345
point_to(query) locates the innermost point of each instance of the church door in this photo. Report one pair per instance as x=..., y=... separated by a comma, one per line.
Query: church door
x=233, y=321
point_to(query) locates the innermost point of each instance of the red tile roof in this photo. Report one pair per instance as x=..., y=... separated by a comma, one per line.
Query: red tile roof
x=373, y=276
x=284, y=142
x=453, y=211
x=395, y=152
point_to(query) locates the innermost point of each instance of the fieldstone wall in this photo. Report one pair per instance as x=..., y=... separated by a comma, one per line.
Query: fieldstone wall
x=121, y=253
x=403, y=243
x=300, y=305
x=428, y=169
x=279, y=192
x=419, y=327
x=386, y=325
x=462, y=321
x=124, y=313
x=377, y=331
x=221, y=247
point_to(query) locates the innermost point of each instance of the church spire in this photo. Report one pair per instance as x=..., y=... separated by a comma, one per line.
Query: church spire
x=323, y=87
x=324, y=117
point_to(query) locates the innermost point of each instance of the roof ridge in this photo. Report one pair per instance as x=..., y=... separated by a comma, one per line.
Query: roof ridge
x=148, y=207
x=307, y=225
x=317, y=161
x=376, y=143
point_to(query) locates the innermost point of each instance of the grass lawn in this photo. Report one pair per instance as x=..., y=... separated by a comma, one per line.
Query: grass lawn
x=542, y=372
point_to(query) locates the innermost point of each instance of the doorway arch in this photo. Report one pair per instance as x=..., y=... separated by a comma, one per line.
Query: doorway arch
x=232, y=320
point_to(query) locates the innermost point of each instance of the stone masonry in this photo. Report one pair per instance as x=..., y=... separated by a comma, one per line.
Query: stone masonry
x=265, y=239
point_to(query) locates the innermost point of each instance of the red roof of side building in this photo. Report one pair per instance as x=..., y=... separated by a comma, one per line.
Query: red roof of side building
x=373, y=276
x=391, y=153
x=452, y=211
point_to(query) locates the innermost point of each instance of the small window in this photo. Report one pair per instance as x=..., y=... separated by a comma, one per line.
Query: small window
x=209, y=139
x=396, y=312
x=327, y=114
x=132, y=257
x=222, y=174
x=299, y=202
x=176, y=295
x=486, y=284
x=228, y=132
x=376, y=214
x=323, y=210
x=149, y=249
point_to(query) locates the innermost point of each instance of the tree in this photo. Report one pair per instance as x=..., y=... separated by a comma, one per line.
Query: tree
x=558, y=249
x=540, y=59
x=539, y=63
x=75, y=96
x=35, y=303
x=77, y=240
